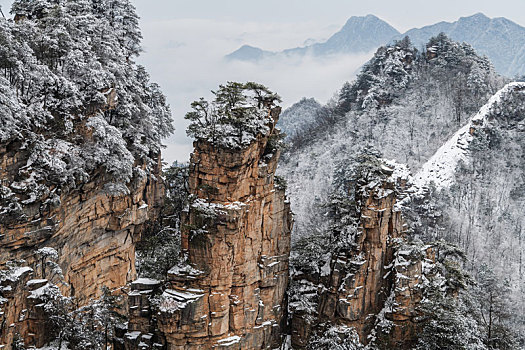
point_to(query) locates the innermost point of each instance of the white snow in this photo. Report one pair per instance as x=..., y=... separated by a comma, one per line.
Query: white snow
x=325, y=269
x=36, y=281
x=229, y=341
x=38, y=293
x=181, y=296
x=54, y=346
x=132, y=335
x=18, y=272
x=440, y=168
x=48, y=252
x=146, y=281
x=173, y=300
x=184, y=269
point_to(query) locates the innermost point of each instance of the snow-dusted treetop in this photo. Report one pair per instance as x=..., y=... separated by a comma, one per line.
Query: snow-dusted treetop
x=299, y=116
x=440, y=168
x=235, y=117
x=72, y=98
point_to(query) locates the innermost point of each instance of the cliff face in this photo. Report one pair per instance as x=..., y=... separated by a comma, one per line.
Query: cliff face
x=357, y=287
x=236, y=236
x=374, y=287
x=92, y=228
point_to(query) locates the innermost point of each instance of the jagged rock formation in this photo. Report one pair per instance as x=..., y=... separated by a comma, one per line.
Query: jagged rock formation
x=79, y=161
x=92, y=228
x=357, y=287
x=20, y=313
x=236, y=236
x=376, y=283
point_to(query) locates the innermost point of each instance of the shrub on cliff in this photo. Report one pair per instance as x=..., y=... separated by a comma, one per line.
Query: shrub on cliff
x=336, y=338
x=159, y=249
x=238, y=113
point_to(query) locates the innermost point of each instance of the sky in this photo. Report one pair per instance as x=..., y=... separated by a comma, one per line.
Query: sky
x=185, y=42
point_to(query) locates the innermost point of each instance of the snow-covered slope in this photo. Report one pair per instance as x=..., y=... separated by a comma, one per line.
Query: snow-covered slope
x=440, y=168
x=416, y=117
x=299, y=116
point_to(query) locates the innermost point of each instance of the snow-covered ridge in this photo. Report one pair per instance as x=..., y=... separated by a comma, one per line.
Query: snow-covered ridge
x=440, y=168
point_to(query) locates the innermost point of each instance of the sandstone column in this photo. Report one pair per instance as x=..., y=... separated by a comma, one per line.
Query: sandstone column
x=236, y=235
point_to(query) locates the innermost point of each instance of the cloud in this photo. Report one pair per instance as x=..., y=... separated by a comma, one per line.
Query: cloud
x=186, y=56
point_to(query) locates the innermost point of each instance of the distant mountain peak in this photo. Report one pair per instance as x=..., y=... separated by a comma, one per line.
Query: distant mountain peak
x=368, y=17
x=477, y=15
x=368, y=21
x=359, y=34
x=500, y=39
x=249, y=53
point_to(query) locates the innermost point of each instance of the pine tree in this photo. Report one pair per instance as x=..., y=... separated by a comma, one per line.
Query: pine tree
x=493, y=296
x=235, y=117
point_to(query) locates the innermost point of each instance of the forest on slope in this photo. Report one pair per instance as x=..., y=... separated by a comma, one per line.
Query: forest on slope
x=404, y=105
x=64, y=66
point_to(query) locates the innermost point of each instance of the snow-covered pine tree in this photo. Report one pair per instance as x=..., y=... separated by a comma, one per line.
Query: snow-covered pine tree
x=238, y=113
x=67, y=69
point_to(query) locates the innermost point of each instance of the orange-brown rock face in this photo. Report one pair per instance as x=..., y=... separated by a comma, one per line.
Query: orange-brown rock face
x=93, y=231
x=358, y=286
x=377, y=284
x=237, y=238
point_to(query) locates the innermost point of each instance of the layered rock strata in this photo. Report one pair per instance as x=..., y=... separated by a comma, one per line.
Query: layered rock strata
x=236, y=237
x=21, y=311
x=92, y=229
x=376, y=286
x=357, y=285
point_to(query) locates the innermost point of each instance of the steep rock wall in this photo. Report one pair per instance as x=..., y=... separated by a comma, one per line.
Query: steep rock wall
x=236, y=237
x=93, y=229
x=374, y=287
x=357, y=287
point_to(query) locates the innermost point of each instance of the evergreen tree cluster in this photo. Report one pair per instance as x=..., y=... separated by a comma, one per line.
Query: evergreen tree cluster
x=385, y=77
x=72, y=99
x=90, y=327
x=437, y=87
x=159, y=249
x=236, y=116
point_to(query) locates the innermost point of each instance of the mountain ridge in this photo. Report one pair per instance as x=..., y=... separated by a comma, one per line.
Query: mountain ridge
x=362, y=40
x=499, y=38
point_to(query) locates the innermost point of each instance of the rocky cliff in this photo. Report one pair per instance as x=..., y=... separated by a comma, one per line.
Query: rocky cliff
x=373, y=286
x=90, y=231
x=236, y=238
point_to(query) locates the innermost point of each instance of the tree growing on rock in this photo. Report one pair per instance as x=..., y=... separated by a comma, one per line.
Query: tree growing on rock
x=238, y=113
x=48, y=257
x=159, y=249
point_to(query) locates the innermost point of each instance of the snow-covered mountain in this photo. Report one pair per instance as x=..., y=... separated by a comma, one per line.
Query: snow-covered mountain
x=441, y=167
x=500, y=39
x=403, y=104
x=360, y=34
x=460, y=127
x=474, y=190
x=299, y=116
